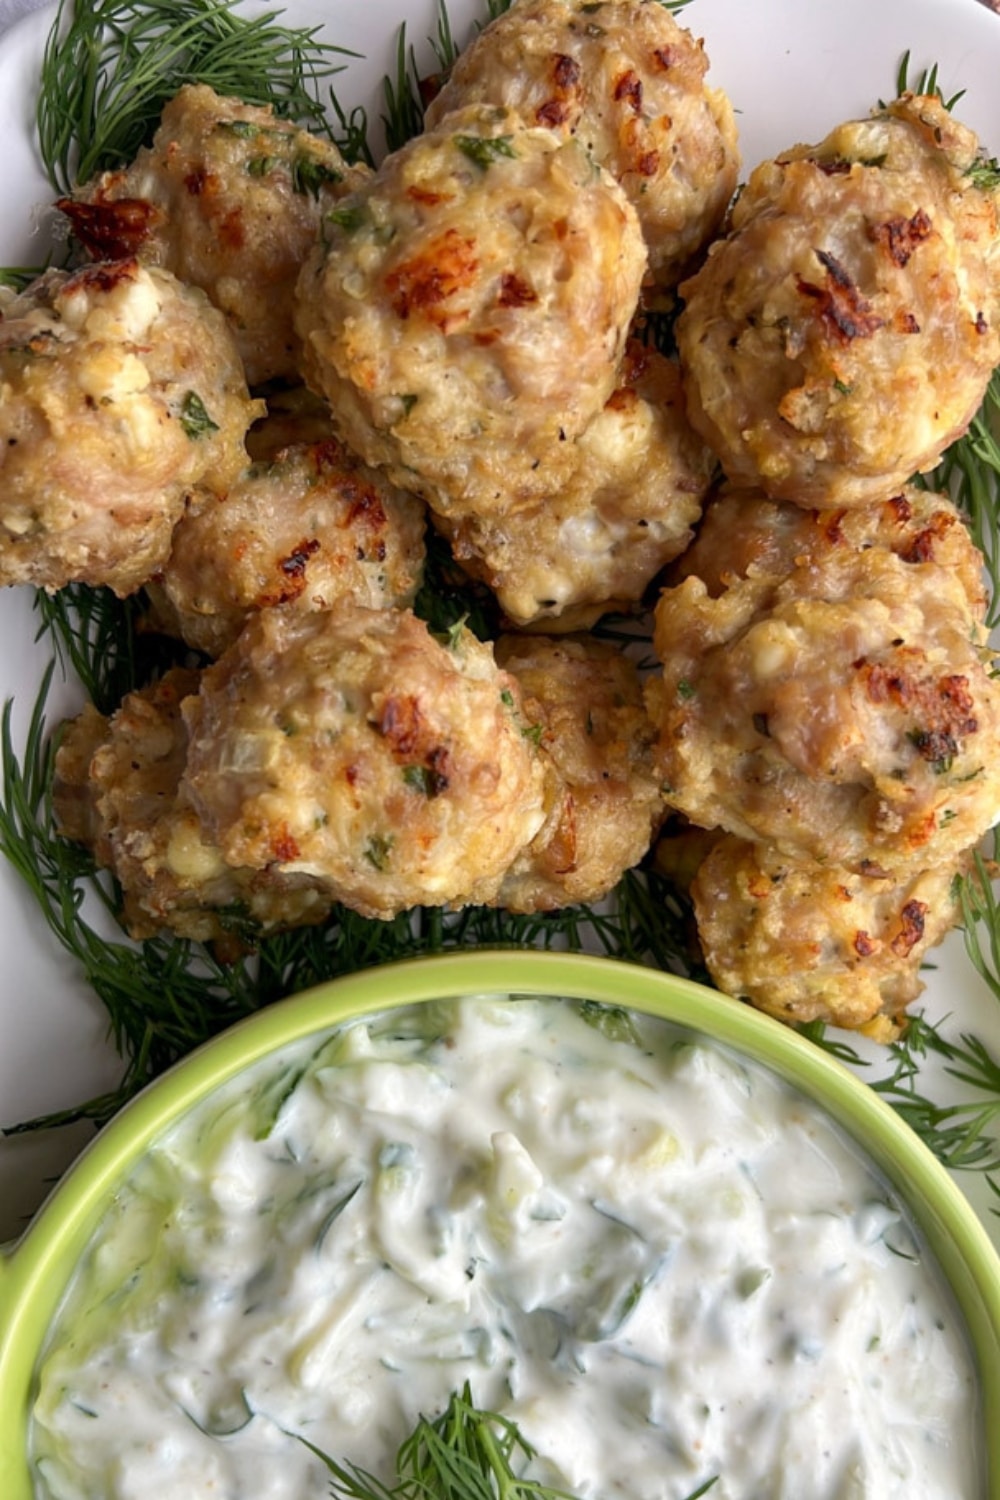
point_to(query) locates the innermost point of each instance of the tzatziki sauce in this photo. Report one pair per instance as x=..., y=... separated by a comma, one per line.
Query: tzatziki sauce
x=665, y=1265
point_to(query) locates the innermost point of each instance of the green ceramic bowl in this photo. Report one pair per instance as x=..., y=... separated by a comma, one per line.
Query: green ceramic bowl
x=34, y=1273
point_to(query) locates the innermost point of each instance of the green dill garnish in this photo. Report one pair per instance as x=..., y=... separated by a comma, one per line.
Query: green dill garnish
x=962, y=1134
x=612, y=1021
x=378, y=849
x=485, y=149
x=984, y=173
x=349, y=216
x=686, y=690
x=970, y=473
x=405, y=111
x=261, y=166
x=926, y=82
x=310, y=176
x=426, y=780
x=244, y=130
x=335, y=1212
x=109, y=67
x=18, y=277
x=465, y=1453
x=195, y=418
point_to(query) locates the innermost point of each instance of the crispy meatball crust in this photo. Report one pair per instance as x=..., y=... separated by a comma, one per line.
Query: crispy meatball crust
x=354, y=748
x=809, y=942
x=118, y=790
x=629, y=84
x=121, y=398
x=466, y=310
x=827, y=690
x=844, y=332
x=311, y=527
x=229, y=197
x=603, y=800
x=630, y=507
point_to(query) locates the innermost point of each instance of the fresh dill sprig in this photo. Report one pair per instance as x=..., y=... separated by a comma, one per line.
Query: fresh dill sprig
x=350, y=135
x=970, y=473
x=981, y=917
x=109, y=66
x=100, y=640
x=405, y=111
x=926, y=82
x=18, y=277
x=446, y=49
x=463, y=1454
x=963, y=1135
x=959, y=1134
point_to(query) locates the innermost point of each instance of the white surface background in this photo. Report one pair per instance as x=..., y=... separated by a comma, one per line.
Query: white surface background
x=793, y=68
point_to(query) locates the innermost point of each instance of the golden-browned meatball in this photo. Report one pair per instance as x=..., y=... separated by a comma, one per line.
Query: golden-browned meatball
x=353, y=748
x=229, y=197
x=629, y=83
x=466, y=309
x=828, y=690
x=598, y=540
x=807, y=941
x=122, y=397
x=312, y=526
x=843, y=334
x=603, y=799
x=118, y=790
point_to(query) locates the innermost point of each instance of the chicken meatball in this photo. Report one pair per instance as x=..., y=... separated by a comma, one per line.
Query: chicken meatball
x=844, y=332
x=828, y=690
x=118, y=790
x=807, y=941
x=466, y=310
x=603, y=798
x=629, y=83
x=312, y=526
x=229, y=197
x=629, y=508
x=355, y=749
x=123, y=400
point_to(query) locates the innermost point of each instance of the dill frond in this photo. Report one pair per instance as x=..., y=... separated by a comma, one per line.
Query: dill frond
x=963, y=1135
x=465, y=1453
x=99, y=639
x=926, y=82
x=18, y=277
x=109, y=67
x=405, y=111
x=970, y=473
x=959, y=1134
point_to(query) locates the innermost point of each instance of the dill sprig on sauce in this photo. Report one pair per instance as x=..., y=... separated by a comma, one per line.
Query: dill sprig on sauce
x=110, y=66
x=463, y=1454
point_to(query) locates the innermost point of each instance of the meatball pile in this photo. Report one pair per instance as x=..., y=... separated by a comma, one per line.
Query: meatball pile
x=277, y=368
x=459, y=330
x=827, y=708
x=467, y=310
x=827, y=703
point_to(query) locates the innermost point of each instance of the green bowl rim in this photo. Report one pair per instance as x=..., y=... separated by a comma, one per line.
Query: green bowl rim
x=971, y=1264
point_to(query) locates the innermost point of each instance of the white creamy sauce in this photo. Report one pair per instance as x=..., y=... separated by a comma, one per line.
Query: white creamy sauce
x=662, y=1263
